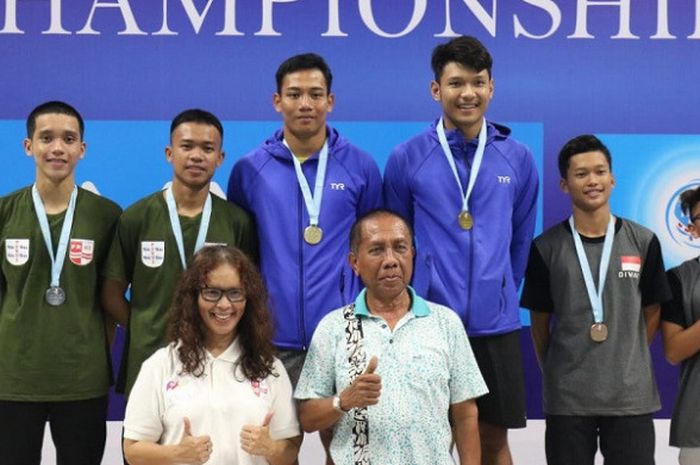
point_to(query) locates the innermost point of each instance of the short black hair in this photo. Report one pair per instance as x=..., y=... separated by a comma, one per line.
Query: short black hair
x=356, y=229
x=581, y=144
x=195, y=115
x=464, y=50
x=53, y=107
x=303, y=62
x=689, y=199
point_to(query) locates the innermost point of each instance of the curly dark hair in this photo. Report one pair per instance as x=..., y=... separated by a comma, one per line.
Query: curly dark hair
x=254, y=330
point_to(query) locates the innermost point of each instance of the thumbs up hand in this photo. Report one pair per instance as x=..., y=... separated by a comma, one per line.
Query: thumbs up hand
x=256, y=439
x=372, y=366
x=194, y=449
x=365, y=390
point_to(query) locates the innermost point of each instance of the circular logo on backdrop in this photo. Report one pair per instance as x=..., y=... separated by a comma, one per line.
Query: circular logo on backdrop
x=677, y=221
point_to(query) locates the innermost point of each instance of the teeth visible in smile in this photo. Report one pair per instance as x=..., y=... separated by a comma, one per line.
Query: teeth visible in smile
x=222, y=317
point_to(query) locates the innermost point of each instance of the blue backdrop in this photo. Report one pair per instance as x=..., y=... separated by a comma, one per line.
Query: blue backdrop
x=625, y=70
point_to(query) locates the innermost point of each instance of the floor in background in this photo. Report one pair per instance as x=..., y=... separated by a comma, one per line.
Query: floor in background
x=527, y=446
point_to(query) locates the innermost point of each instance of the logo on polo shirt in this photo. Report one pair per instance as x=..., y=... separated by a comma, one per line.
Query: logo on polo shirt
x=260, y=388
x=179, y=391
x=152, y=253
x=81, y=251
x=17, y=251
x=630, y=266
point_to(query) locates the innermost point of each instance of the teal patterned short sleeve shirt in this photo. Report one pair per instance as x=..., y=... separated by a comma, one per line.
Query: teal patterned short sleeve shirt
x=426, y=364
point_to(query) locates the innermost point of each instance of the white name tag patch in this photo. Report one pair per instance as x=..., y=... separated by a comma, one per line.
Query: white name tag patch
x=17, y=251
x=152, y=253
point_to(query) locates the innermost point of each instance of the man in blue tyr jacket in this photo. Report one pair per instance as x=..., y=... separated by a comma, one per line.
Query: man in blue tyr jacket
x=470, y=192
x=305, y=186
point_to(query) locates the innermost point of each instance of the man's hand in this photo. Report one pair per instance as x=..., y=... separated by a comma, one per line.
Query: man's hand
x=365, y=390
x=256, y=439
x=194, y=449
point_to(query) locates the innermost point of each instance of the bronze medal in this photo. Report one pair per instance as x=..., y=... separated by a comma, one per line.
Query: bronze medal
x=313, y=234
x=465, y=220
x=599, y=332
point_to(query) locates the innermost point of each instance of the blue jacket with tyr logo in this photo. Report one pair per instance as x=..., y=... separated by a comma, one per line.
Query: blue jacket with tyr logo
x=305, y=281
x=475, y=272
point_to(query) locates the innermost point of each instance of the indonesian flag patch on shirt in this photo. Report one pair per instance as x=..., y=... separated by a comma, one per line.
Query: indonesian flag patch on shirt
x=631, y=263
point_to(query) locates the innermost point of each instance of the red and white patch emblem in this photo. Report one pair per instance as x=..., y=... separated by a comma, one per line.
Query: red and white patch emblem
x=81, y=251
x=17, y=251
x=631, y=263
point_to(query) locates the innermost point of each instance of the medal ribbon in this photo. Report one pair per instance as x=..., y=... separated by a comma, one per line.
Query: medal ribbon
x=58, y=259
x=596, y=298
x=177, y=229
x=478, y=156
x=313, y=203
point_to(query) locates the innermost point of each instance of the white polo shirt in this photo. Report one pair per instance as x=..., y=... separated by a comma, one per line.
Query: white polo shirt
x=218, y=403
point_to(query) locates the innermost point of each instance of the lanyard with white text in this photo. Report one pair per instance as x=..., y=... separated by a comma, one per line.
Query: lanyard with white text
x=465, y=219
x=313, y=233
x=177, y=229
x=596, y=298
x=56, y=260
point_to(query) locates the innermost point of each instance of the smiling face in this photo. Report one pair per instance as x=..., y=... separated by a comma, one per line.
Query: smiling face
x=589, y=181
x=195, y=153
x=221, y=318
x=56, y=147
x=384, y=257
x=304, y=101
x=464, y=95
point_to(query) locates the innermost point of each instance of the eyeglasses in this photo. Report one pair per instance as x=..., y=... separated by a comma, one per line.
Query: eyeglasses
x=213, y=294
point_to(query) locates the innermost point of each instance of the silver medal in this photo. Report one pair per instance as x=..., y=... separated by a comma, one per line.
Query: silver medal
x=55, y=296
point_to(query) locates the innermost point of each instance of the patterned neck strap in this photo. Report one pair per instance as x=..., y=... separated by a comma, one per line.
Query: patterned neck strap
x=357, y=359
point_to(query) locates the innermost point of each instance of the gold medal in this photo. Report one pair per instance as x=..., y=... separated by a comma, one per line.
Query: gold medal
x=599, y=332
x=465, y=220
x=313, y=234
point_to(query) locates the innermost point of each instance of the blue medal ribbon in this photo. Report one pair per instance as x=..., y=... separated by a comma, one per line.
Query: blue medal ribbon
x=595, y=297
x=478, y=156
x=312, y=202
x=59, y=258
x=177, y=229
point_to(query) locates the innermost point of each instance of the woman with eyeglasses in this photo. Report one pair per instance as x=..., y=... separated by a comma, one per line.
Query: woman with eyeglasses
x=681, y=335
x=216, y=393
